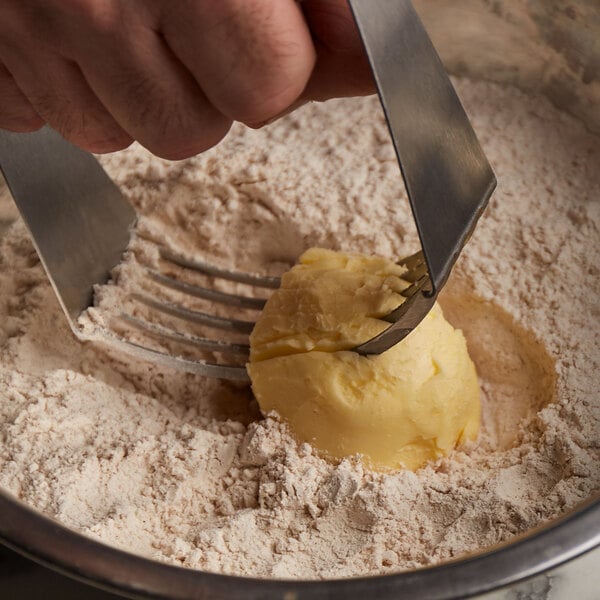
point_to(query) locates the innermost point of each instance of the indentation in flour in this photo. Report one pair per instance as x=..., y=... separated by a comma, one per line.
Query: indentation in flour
x=517, y=375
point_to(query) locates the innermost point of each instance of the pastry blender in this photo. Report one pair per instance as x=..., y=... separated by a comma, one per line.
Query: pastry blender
x=81, y=224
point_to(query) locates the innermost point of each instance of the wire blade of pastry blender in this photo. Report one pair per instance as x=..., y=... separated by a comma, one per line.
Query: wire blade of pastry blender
x=81, y=224
x=448, y=179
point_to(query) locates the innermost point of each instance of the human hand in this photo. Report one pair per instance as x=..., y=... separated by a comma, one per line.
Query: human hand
x=171, y=75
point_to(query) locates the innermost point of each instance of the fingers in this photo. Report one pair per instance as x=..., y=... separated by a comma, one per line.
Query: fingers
x=252, y=58
x=60, y=96
x=149, y=92
x=342, y=68
x=173, y=75
x=101, y=75
x=16, y=112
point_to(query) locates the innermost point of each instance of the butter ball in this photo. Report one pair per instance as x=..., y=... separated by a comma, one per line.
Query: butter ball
x=413, y=403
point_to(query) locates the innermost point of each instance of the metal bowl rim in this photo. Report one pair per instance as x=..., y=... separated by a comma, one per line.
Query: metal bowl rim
x=48, y=542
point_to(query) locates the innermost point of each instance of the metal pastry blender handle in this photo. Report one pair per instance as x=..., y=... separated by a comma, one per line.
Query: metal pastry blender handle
x=447, y=176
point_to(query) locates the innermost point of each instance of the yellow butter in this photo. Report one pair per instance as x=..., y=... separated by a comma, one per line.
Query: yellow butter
x=411, y=404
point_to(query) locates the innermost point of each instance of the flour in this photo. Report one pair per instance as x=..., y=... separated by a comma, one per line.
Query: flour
x=185, y=470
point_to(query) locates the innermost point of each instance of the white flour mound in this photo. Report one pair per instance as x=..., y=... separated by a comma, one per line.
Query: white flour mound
x=184, y=470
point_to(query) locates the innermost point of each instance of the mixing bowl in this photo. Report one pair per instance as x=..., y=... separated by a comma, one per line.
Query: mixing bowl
x=542, y=46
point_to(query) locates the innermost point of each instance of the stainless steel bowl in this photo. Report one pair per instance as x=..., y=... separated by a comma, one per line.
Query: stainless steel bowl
x=544, y=46
x=540, y=550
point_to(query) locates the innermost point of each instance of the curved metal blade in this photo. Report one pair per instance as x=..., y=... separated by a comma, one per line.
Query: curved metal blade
x=78, y=219
x=448, y=178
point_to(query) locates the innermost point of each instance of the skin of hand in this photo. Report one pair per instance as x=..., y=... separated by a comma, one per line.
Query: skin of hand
x=172, y=75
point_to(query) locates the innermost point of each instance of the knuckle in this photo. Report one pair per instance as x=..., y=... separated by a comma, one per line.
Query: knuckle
x=141, y=90
x=84, y=126
x=55, y=23
x=110, y=21
x=101, y=16
x=44, y=103
x=57, y=112
x=16, y=113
